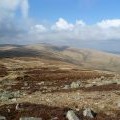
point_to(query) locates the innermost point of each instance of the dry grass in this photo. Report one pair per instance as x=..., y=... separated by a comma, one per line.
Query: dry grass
x=54, y=75
x=55, y=78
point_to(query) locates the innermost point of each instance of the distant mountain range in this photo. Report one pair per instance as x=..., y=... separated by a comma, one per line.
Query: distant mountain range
x=84, y=58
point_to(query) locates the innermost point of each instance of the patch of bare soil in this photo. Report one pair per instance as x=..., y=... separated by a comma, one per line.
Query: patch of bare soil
x=3, y=71
x=57, y=74
x=32, y=110
x=109, y=87
x=47, y=112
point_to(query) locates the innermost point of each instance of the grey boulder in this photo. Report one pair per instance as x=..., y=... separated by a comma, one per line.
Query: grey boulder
x=2, y=118
x=71, y=115
x=76, y=84
x=89, y=113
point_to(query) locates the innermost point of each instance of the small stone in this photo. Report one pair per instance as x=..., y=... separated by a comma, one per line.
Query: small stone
x=66, y=87
x=55, y=118
x=8, y=110
x=17, y=106
x=17, y=94
x=118, y=105
x=14, y=100
x=102, y=77
x=89, y=113
x=30, y=118
x=26, y=84
x=75, y=84
x=71, y=115
x=118, y=82
x=41, y=83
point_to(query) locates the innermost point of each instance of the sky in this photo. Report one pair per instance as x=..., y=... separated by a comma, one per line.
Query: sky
x=78, y=23
x=91, y=11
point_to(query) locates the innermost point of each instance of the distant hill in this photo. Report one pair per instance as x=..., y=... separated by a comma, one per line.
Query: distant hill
x=85, y=58
x=114, y=52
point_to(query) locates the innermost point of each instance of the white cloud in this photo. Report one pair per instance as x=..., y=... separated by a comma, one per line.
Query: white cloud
x=9, y=4
x=8, y=8
x=24, y=8
x=109, y=23
x=80, y=22
x=9, y=26
x=62, y=24
x=60, y=31
x=38, y=28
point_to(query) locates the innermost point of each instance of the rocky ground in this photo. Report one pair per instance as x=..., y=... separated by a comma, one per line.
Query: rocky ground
x=49, y=90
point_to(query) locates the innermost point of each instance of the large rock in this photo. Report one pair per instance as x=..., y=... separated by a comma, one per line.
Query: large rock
x=71, y=115
x=89, y=113
x=2, y=118
x=30, y=118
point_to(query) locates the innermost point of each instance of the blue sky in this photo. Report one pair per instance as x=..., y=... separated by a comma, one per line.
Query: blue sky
x=79, y=23
x=91, y=11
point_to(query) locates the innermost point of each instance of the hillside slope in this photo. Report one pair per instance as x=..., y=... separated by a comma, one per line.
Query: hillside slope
x=85, y=58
